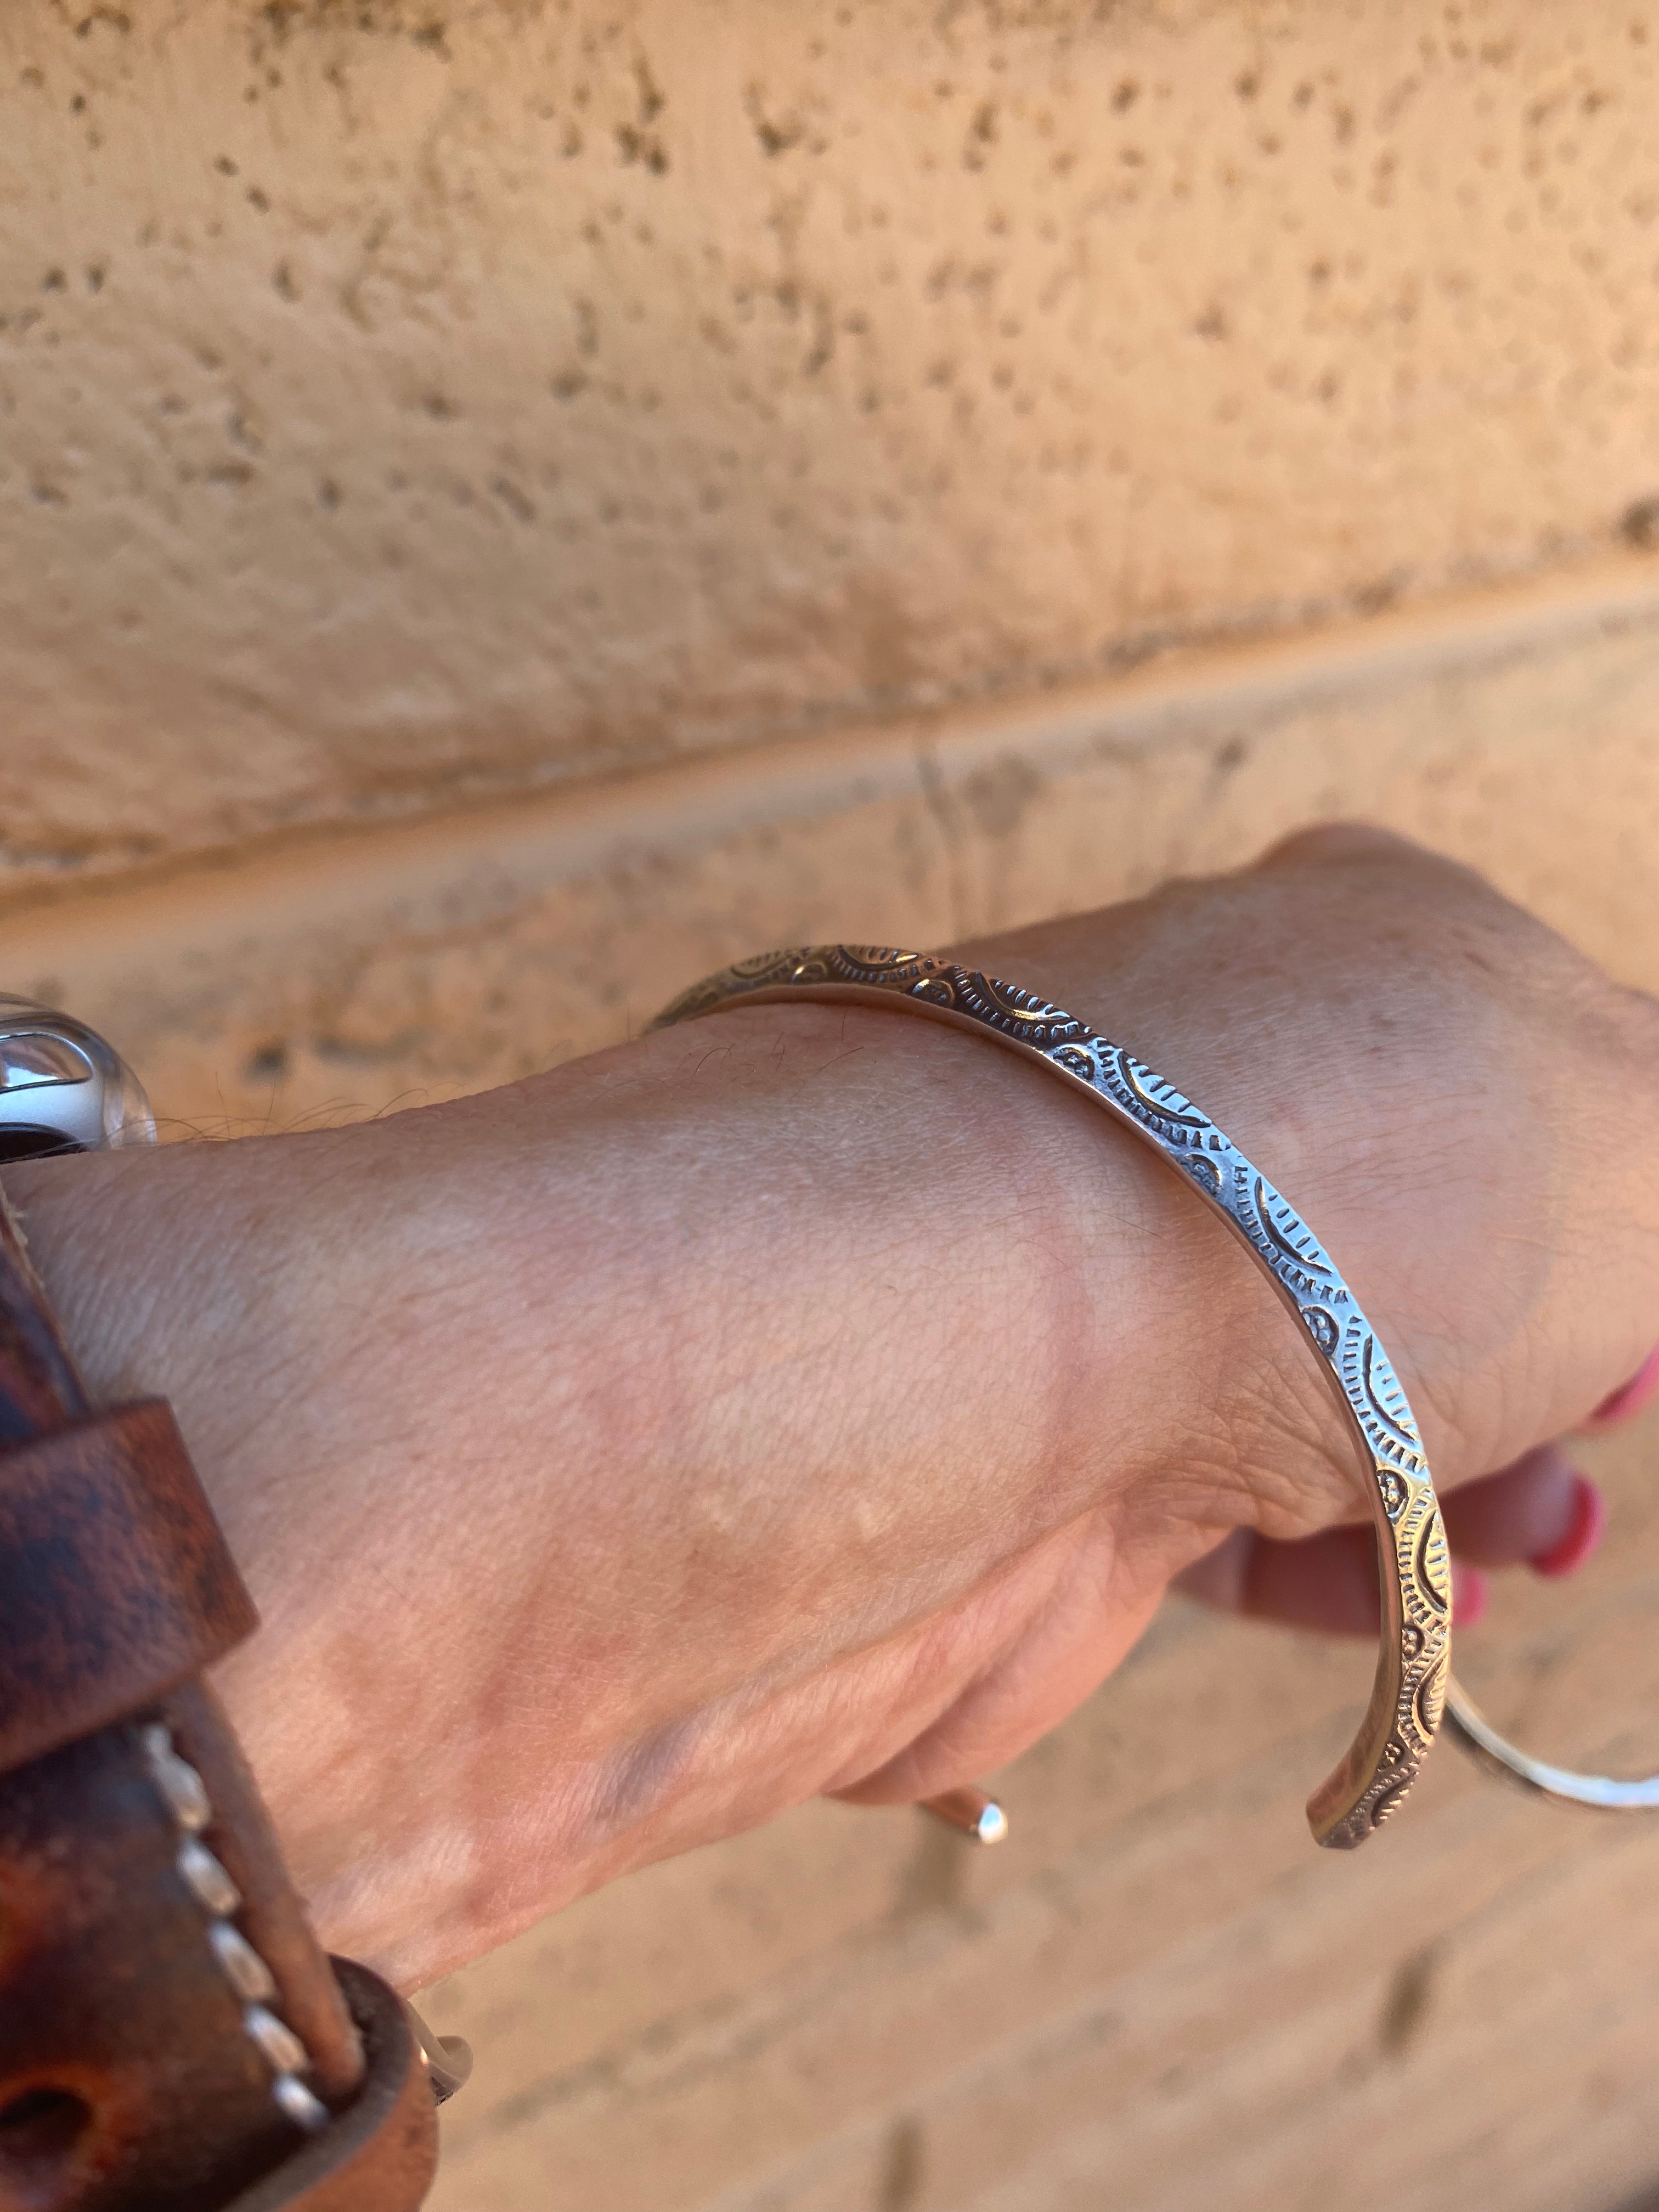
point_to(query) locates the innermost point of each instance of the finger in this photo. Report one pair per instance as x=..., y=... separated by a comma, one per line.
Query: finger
x=1541, y=1510
x=1326, y=1581
x=1631, y=1398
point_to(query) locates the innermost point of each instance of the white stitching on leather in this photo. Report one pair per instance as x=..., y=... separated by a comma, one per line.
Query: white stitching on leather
x=185, y=1795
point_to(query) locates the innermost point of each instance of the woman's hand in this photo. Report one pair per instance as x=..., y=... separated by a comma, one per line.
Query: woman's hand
x=1453, y=1097
x=815, y=1399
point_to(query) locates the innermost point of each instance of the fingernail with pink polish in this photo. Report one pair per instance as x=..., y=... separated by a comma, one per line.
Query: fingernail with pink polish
x=1583, y=1532
x=1470, y=1591
x=1630, y=1397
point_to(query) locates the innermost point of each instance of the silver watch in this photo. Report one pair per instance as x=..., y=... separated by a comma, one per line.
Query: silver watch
x=63, y=1089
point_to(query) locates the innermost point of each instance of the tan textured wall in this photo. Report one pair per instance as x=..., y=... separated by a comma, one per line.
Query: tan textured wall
x=401, y=399
x=503, y=507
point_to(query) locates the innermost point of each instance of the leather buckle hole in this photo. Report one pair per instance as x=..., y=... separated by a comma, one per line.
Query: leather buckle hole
x=40, y=2127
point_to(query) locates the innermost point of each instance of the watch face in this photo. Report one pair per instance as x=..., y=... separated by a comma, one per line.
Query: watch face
x=62, y=1088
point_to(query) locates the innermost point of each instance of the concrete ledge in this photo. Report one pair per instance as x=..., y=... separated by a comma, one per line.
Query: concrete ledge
x=339, y=973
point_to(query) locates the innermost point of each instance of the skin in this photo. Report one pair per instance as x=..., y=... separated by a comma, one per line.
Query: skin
x=816, y=1399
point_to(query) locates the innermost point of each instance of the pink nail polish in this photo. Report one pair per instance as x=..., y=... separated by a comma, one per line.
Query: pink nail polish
x=1630, y=1397
x=1470, y=1591
x=1584, y=1533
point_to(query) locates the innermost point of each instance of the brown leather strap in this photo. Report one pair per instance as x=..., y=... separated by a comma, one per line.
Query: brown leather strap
x=380, y=2155
x=116, y=1584
x=168, y=2025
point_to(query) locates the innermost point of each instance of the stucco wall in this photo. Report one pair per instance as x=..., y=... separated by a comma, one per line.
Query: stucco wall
x=403, y=401
x=503, y=507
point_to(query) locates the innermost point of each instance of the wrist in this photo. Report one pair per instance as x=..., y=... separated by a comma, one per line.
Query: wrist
x=804, y=1320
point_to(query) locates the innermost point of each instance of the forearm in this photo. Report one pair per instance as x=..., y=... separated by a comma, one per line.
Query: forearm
x=584, y=1444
